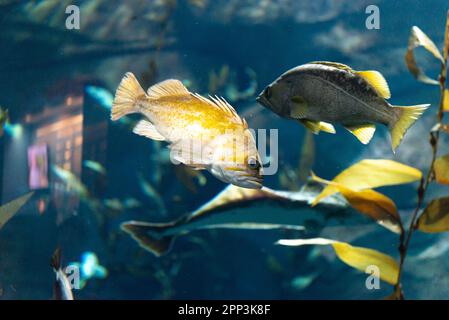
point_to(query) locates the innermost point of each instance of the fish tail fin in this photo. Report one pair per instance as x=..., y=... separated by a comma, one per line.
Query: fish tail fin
x=150, y=236
x=126, y=96
x=56, y=259
x=405, y=117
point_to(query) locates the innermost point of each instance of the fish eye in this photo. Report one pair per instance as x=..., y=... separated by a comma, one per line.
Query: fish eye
x=268, y=92
x=254, y=164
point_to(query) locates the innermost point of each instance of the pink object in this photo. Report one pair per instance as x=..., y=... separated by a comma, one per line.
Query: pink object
x=38, y=166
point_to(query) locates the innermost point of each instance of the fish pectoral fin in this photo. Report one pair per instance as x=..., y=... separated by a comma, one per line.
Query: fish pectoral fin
x=363, y=132
x=299, y=107
x=147, y=129
x=317, y=126
x=192, y=153
x=311, y=125
x=326, y=127
x=377, y=81
x=171, y=87
x=198, y=167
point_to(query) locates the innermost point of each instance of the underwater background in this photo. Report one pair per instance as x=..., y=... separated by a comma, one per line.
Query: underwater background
x=58, y=85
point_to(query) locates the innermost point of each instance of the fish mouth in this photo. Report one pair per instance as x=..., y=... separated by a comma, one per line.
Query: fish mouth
x=263, y=101
x=250, y=181
x=260, y=98
x=250, y=184
x=239, y=176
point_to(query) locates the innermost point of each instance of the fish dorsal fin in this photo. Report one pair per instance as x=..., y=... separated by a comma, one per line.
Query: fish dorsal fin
x=317, y=126
x=169, y=87
x=224, y=105
x=147, y=129
x=363, y=132
x=233, y=196
x=377, y=81
x=221, y=104
x=337, y=65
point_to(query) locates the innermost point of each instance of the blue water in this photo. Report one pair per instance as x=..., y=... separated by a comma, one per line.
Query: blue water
x=45, y=66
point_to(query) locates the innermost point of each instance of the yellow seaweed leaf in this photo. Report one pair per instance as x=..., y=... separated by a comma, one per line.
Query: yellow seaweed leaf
x=441, y=169
x=375, y=205
x=370, y=203
x=370, y=173
x=393, y=296
x=446, y=100
x=435, y=217
x=419, y=39
x=7, y=211
x=356, y=257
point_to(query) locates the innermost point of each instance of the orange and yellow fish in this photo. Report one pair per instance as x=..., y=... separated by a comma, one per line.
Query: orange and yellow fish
x=203, y=133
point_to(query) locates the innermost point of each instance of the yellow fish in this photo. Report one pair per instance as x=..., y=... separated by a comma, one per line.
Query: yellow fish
x=202, y=133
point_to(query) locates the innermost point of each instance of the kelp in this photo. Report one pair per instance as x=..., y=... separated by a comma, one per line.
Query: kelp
x=7, y=211
x=420, y=39
x=356, y=185
x=446, y=101
x=357, y=182
x=371, y=203
x=370, y=173
x=441, y=169
x=434, y=217
x=356, y=257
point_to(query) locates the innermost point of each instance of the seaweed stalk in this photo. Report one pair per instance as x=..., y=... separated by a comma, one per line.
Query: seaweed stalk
x=406, y=236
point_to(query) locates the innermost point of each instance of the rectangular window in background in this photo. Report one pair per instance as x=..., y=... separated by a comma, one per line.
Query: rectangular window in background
x=38, y=166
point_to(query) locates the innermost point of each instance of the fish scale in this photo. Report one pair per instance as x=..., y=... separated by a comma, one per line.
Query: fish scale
x=319, y=94
x=334, y=98
x=203, y=133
